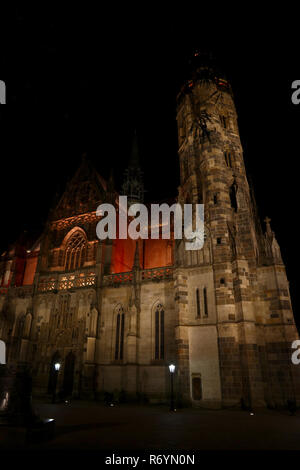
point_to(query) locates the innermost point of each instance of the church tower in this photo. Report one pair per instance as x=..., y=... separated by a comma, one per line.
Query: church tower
x=235, y=321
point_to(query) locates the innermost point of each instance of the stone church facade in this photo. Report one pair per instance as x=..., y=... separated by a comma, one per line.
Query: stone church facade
x=116, y=313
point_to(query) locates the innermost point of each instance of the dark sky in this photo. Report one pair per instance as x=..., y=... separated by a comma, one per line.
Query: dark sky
x=80, y=80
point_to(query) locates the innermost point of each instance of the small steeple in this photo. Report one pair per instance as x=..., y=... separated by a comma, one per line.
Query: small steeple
x=110, y=188
x=272, y=246
x=268, y=226
x=133, y=185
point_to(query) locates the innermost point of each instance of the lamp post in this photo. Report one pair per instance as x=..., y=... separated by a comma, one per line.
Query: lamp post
x=172, y=370
x=56, y=371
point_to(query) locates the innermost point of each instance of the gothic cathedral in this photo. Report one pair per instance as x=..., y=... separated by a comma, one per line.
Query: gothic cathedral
x=116, y=313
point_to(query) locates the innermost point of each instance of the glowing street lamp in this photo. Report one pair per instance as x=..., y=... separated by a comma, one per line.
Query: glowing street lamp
x=172, y=368
x=56, y=371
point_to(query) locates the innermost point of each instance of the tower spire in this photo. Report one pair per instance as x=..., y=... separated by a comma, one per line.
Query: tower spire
x=268, y=225
x=134, y=161
x=133, y=185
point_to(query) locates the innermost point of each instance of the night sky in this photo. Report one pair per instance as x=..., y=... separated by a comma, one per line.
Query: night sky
x=85, y=79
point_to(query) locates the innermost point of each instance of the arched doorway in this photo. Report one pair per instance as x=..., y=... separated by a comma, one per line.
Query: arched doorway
x=197, y=387
x=52, y=372
x=69, y=374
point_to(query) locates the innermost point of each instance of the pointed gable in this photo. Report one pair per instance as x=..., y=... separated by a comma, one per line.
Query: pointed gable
x=84, y=192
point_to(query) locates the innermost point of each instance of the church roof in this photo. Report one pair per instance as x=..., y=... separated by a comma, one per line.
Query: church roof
x=83, y=193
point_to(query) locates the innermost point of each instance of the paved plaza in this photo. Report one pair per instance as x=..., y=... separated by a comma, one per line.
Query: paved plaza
x=91, y=426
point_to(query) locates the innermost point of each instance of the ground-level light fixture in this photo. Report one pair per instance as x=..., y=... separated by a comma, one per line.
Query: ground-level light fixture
x=56, y=368
x=172, y=368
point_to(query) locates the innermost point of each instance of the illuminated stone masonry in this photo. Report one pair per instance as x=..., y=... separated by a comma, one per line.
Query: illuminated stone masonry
x=116, y=313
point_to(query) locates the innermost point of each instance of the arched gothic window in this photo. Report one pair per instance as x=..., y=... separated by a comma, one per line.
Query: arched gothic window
x=159, y=332
x=198, y=303
x=232, y=194
x=75, y=251
x=205, y=302
x=228, y=159
x=223, y=120
x=119, y=344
